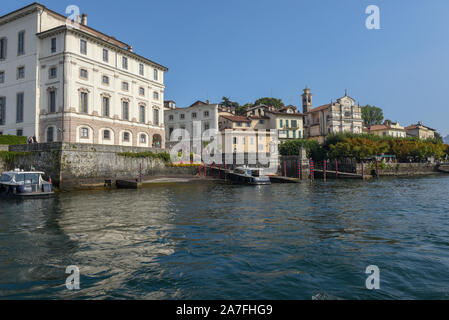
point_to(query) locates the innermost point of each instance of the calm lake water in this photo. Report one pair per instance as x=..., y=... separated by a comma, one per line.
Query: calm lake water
x=215, y=241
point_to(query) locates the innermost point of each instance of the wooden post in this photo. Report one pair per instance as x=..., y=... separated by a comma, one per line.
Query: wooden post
x=199, y=169
x=140, y=173
x=377, y=167
x=312, y=170
x=324, y=169
x=219, y=171
x=299, y=170
x=336, y=169
x=285, y=168
x=363, y=170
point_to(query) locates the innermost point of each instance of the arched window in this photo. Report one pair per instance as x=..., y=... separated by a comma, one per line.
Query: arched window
x=50, y=134
x=84, y=133
x=143, y=138
x=106, y=135
x=155, y=74
x=126, y=136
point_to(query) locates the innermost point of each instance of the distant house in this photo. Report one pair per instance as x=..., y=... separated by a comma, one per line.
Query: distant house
x=388, y=129
x=421, y=131
x=287, y=121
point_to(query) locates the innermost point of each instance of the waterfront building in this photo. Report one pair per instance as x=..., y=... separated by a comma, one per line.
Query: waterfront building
x=388, y=129
x=340, y=116
x=287, y=121
x=244, y=134
x=196, y=119
x=61, y=80
x=421, y=131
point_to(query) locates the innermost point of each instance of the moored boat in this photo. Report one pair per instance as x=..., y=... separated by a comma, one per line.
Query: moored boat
x=19, y=183
x=252, y=176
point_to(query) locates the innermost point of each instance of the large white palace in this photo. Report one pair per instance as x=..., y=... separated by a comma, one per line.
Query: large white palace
x=61, y=80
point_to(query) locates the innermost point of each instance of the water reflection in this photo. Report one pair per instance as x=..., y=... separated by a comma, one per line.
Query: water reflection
x=218, y=241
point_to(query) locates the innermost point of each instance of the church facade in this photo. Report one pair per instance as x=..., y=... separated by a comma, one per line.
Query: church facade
x=340, y=116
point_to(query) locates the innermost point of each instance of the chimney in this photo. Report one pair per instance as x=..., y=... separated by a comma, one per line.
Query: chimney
x=84, y=19
x=207, y=102
x=130, y=48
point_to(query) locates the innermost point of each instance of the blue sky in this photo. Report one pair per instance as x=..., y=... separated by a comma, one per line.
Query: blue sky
x=247, y=49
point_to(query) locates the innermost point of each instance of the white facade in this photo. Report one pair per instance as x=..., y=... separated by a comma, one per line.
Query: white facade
x=80, y=85
x=336, y=117
x=200, y=116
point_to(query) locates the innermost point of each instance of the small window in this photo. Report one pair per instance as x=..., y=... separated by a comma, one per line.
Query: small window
x=52, y=73
x=125, y=86
x=107, y=135
x=105, y=55
x=234, y=140
x=239, y=124
x=141, y=69
x=261, y=121
x=19, y=132
x=84, y=133
x=125, y=63
x=105, y=80
x=155, y=74
x=126, y=136
x=182, y=116
x=194, y=115
x=83, y=73
x=21, y=43
x=206, y=114
x=171, y=118
x=2, y=76
x=21, y=73
x=155, y=95
x=206, y=126
x=83, y=46
x=53, y=45
x=142, y=91
x=143, y=138
x=50, y=134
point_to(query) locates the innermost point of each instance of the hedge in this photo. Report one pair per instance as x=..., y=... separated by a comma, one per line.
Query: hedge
x=12, y=140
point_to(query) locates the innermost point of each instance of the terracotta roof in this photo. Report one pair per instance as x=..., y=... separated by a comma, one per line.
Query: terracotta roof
x=416, y=126
x=259, y=118
x=326, y=106
x=198, y=103
x=236, y=118
x=378, y=127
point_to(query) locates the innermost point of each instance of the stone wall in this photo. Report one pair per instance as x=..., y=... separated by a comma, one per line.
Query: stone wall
x=400, y=169
x=73, y=166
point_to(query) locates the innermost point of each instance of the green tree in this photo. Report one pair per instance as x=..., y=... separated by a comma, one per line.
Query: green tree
x=438, y=137
x=372, y=115
x=277, y=103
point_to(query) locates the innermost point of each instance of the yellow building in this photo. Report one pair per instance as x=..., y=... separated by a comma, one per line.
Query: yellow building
x=388, y=129
x=421, y=131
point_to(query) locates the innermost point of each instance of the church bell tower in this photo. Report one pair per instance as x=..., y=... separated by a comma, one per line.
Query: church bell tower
x=307, y=100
